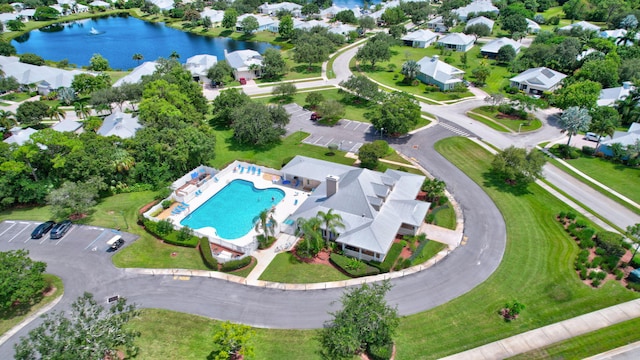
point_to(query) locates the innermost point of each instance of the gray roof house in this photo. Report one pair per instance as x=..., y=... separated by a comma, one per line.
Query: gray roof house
x=608, y=97
x=119, y=124
x=477, y=6
x=439, y=73
x=45, y=77
x=419, y=38
x=273, y=9
x=537, y=80
x=245, y=63
x=198, y=65
x=215, y=16
x=341, y=29
x=306, y=25
x=20, y=136
x=625, y=138
x=481, y=20
x=533, y=27
x=582, y=25
x=375, y=207
x=457, y=42
x=134, y=77
x=491, y=48
x=437, y=24
x=68, y=125
x=265, y=23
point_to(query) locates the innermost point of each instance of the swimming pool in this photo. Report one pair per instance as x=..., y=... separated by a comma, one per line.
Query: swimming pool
x=233, y=210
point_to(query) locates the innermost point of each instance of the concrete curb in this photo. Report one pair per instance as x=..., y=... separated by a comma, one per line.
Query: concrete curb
x=6, y=336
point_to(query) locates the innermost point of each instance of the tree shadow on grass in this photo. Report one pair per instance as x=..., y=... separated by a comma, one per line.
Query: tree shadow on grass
x=226, y=33
x=234, y=145
x=306, y=69
x=493, y=181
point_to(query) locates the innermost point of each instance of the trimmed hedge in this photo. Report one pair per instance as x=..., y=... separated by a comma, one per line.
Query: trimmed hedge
x=171, y=238
x=343, y=263
x=265, y=243
x=236, y=264
x=611, y=243
x=391, y=257
x=380, y=352
x=207, y=256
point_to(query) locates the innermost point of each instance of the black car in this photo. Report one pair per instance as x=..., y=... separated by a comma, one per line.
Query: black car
x=60, y=229
x=42, y=229
x=116, y=245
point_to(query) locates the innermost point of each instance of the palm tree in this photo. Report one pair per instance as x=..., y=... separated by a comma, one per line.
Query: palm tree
x=266, y=223
x=174, y=55
x=138, y=57
x=331, y=222
x=603, y=127
x=312, y=232
x=7, y=120
x=628, y=107
x=55, y=112
x=410, y=70
x=81, y=109
x=574, y=119
x=434, y=189
x=122, y=161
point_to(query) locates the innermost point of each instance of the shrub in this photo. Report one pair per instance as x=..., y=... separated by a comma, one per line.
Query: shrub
x=562, y=215
x=391, y=257
x=588, y=150
x=596, y=261
x=265, y=242
x=571, y=215
x=583, y=256
x=601, y=275
x=610, y=262
x=236, y=264
x=619, y=274
x=164, y=227
x=635, y=262
x=347, y=264
x=600, y=251
x=175, y=238
x=581, y=223
x=583, y=274
x=633, y=286
x=166, y=204
x=595, y=283
x=156, y=213
x=184, y=233
x=611, y=242
x=207, y=256
x=380, y=352
x=588, y=243
x=586, y=234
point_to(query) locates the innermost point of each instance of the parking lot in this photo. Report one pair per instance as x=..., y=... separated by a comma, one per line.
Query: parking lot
x=82, y=238
x=347, y=134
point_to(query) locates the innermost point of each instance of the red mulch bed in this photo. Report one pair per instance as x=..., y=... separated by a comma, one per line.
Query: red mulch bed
x=322, y=258
x=145, y=208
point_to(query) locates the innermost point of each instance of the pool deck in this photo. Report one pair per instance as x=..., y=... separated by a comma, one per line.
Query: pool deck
x=283, y=209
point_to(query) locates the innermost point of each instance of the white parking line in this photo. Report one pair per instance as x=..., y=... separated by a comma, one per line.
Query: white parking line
x=24, y=222
x=70, y=230
x=96, y=239
x=315, y=142
x=20, y=232
x=12, y=225
x=356, y=147
x=357, y=126
x=329, y=142
x=348, y=122
x=45, y=238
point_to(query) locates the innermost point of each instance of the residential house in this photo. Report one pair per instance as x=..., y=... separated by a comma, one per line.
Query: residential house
x=134, y=77
x=306, y=25
x=341, y=29
x=119, y=124
x=20, y=136
x=215, y=16
x=491, y=48
x=538, y=80
x=420, y=38
x=265, y=23
x=246, y=64
x=100, y=3
x=198, y=65
x=533, y=27
x=437, y=24
x=375, y=207
x=439, y=73
x=581, y=25
x=273, y=9
x=46, y=78
x=476, y=7
x=625, y=138
x=608, y=97
x=481, y=20
x=163, y=4
x=457, y=42
x=68, y=125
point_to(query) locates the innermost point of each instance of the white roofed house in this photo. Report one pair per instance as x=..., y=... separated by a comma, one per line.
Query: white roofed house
x=20, y=136
x=583, y=25
x=198, y=65
x=420, y=38
x=491, y=48
x=134, y=77
x=246, y=64
x=457, y=42
x=215, y=16
x=100, y=3
x=342, y=29
x=538, y=80
x=439, y=73
x=476, y=7
x=608, y=97
x=533, y=27
x=630, y=137
x=119, y=124
x=68, y=125
x=46, y=78
x=437, y=24
x=273, y=9
x=481, y=20
x=265, y=23
x=375, y=207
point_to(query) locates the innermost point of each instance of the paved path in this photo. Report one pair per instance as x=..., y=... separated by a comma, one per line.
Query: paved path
x=553, y=333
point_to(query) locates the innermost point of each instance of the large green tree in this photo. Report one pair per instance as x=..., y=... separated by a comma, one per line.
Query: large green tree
x=231, y=341
x=225, y=104
x=515, y=23
x=230, y=18
x=604, y=72
x=249, y=25
x=583, y=94
x=365, y=321
x=285, y=29
x=332, y=222
x=410, y=70
x=375, y=50
x=21, y=280
x=89, y=332
x=273, y=65
x=258, y=124
x=362, y=87
x=397, y=114
x=516, y=165
x=98, y=63
x=31, y=112
x=573, y=120
x=220, y=73
x=75, y=199
x=45, y=13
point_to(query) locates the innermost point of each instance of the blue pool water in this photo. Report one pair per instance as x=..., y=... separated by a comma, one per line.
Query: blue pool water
x=233, y=210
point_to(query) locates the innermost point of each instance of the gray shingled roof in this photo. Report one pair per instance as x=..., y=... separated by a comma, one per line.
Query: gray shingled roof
x=67, y=125
x=494, y=46
x=243, y=58
x=119, y=124
x=541, y=77
x=626, y=138
x=439, y=70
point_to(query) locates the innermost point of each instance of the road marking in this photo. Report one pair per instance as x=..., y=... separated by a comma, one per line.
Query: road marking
x=329, y=142
x=357, y=125
x=453, y=129
x=355, y=148
x=96, y=239
x=183, y=278
x=315, y=142
x=70, y=230
x=16, y=235
x=12, y=225
x=25, y=223
x=45, y=237
x=348, y=122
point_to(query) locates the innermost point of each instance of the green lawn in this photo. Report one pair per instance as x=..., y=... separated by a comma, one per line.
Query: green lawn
x=354, y=109
x=16, y=96
x=445, y=216
x=172, y=335
x=492, y=124
x=428, y=251
x=537, y=270
x=497, y=80
x=513, y=125
x=589, y=344
x=621, y=178
x=12, y=318
x=286, y=268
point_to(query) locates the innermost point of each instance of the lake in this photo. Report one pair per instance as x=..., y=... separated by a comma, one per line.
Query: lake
x=118, y=38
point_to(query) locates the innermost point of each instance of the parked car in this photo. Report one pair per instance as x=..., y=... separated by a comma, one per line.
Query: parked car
x=315, y=116
x=116, y=245
x=591, y=136
x=243, y=81
x=60, y=229
x=42, y=229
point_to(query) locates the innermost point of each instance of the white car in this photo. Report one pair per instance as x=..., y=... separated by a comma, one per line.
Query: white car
x=591, y=136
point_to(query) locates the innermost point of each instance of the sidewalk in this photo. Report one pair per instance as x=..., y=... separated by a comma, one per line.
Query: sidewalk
x=553, y=333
